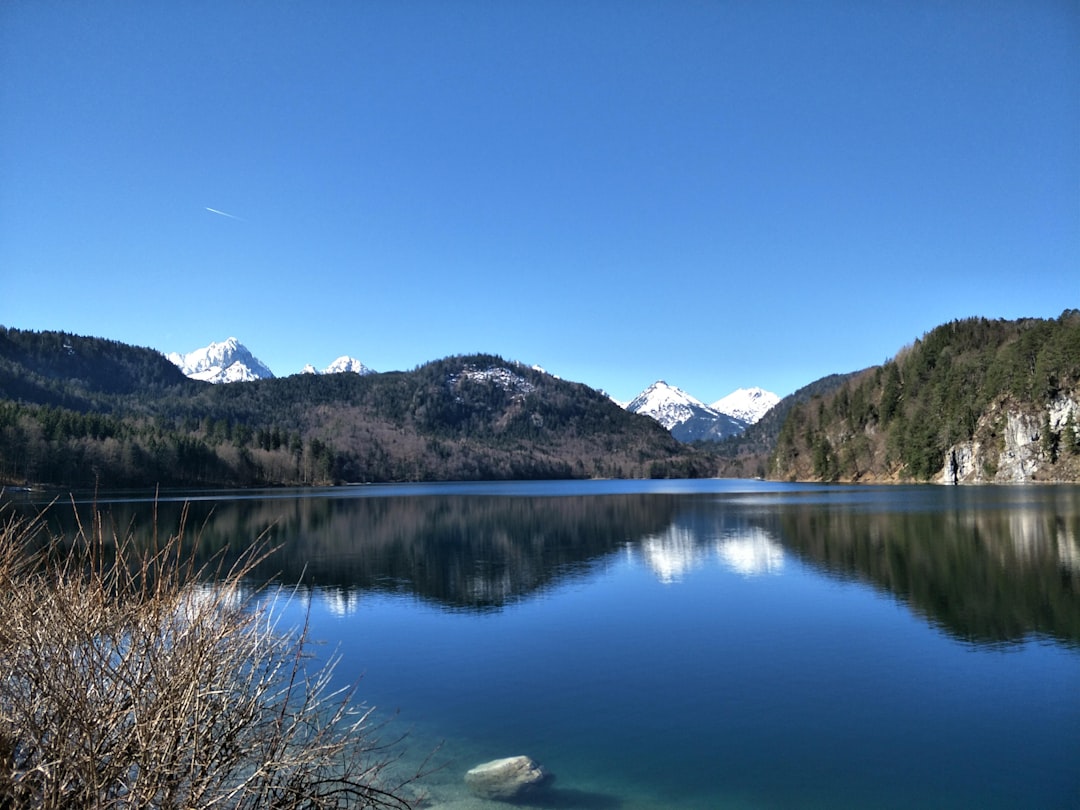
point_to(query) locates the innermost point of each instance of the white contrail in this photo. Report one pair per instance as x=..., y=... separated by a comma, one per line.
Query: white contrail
x=222, y=213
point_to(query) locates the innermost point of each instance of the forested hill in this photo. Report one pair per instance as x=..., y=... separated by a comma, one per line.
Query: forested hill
x=79, y=411
x=82, y=373
x=973, y=400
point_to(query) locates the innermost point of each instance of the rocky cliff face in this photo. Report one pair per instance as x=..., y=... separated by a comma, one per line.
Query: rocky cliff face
x=1016, y=445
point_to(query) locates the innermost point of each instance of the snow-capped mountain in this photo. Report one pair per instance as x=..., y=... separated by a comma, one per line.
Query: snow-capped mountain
x=687, y=418
x=746, y=404
x=225, y=362
x=340, y=366
x=668, y=405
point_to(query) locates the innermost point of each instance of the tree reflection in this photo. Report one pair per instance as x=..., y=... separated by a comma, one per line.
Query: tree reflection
x=462, y=552
x=983, y=575
x=985, y=572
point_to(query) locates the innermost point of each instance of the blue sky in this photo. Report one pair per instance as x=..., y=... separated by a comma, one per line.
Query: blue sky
x=718, y=194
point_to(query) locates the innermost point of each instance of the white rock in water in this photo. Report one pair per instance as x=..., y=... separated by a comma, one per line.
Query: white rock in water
x=506, y=779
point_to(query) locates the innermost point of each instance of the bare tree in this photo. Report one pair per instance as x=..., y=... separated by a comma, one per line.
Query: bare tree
x=130, y=680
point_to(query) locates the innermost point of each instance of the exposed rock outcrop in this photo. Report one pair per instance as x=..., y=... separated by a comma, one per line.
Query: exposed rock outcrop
x=1009, y=446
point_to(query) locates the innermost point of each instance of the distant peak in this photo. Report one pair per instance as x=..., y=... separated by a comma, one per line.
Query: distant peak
x=661, y=391
x=668, y=405
x=341, y=365
x=227, y=361
x=747, y=404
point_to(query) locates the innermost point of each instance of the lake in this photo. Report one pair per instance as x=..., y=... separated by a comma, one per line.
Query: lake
x=692, y=644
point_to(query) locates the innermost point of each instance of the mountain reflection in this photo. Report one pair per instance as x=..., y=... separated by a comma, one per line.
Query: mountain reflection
x=461, y=552
x=982, y=571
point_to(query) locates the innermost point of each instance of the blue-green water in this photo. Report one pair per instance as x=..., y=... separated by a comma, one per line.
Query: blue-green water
x=697, y=644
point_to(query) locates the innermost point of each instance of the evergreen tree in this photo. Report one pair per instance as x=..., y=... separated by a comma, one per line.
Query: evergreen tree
x=1071, y=435
x=890, y=393
x=1050, y=440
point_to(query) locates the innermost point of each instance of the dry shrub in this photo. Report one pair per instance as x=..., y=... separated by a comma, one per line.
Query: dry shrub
x=126, y=683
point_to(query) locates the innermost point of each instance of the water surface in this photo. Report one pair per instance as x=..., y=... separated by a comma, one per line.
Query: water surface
x=694, y=644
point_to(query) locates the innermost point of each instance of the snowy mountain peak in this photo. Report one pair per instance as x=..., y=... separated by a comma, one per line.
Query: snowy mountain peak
x=668, y=405
x=342, y=365
x=747, y=404
x=346, y=363
x=228, y=361
x=689, y=419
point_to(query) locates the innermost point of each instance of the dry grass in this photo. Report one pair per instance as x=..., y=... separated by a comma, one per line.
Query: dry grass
x=125, y=683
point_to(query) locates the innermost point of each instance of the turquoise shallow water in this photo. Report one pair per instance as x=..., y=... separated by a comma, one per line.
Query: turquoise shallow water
x=699, y=644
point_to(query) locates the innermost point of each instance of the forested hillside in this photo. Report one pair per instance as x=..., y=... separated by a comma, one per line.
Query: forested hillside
x=973, y=400
x=747, y=454
x=83, y=373
x=79, y=411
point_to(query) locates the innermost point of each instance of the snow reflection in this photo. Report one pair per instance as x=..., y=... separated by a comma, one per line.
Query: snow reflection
x=751, y=553
x=340, y=603
x=748, y=552
x=673, y=554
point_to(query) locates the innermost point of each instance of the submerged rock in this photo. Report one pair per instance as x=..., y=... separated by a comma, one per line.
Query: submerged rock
x=507, y=779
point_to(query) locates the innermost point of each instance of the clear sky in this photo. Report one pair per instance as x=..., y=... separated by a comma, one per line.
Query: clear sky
x=718, y=194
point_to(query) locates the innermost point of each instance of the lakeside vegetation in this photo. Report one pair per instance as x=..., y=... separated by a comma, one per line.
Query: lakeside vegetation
x=130, y=682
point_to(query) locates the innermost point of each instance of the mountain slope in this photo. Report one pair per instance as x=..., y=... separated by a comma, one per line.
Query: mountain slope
x=971, y=401
x=225, y=362
x=82, y=374
x=461, y=418
x=760, y=438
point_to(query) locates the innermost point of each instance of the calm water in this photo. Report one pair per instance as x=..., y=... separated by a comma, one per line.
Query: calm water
x=697, y=644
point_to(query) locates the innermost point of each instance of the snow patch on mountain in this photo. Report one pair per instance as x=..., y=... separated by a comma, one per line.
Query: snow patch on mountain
x=500, y=376
x=225, y=362
x=542, y=370
x=746, y=404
